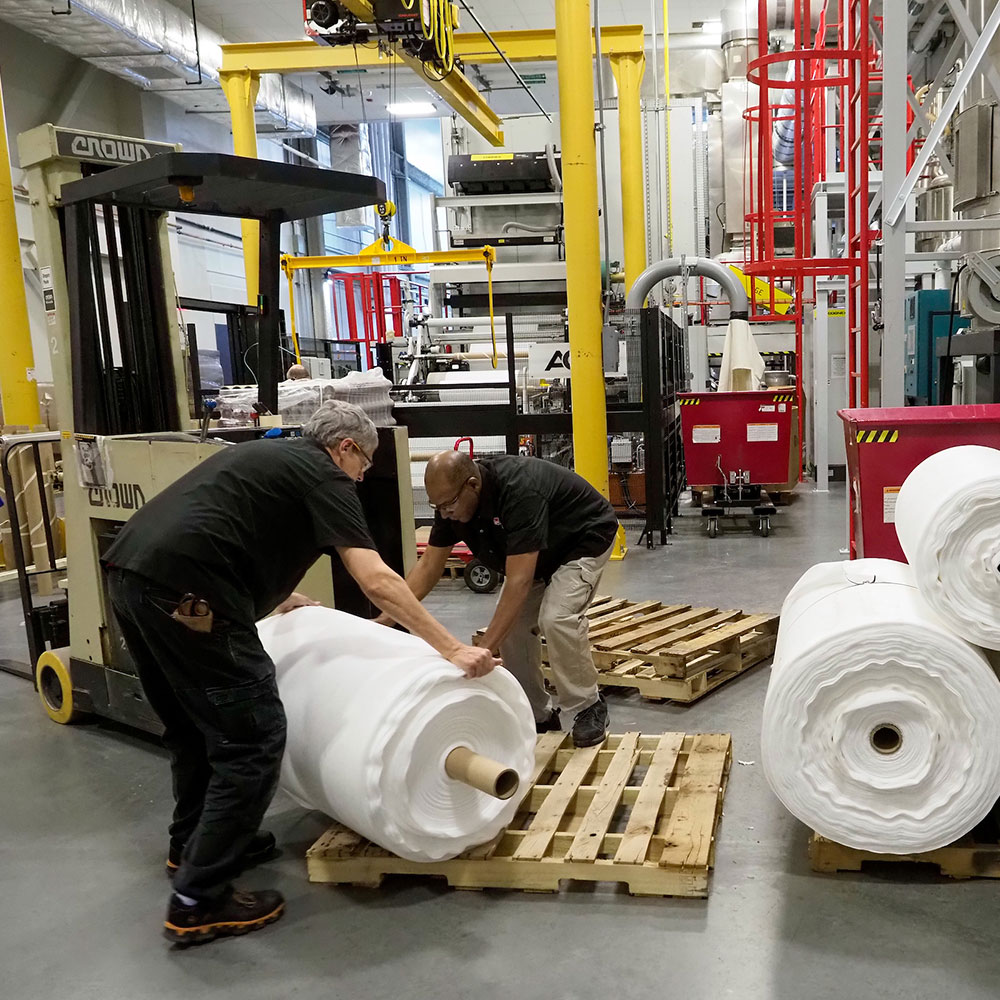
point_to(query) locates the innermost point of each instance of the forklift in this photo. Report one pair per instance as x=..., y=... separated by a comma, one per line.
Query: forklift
x=127, y=426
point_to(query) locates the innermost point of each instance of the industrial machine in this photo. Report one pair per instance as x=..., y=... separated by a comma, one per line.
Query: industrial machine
x=977, y=182
x=930, y=320
x=120, y=378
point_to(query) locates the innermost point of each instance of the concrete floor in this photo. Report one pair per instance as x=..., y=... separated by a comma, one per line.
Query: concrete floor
x=82, y=891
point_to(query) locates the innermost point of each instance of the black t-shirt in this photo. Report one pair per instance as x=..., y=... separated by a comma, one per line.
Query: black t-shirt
x=241, y=528
x=530, y=505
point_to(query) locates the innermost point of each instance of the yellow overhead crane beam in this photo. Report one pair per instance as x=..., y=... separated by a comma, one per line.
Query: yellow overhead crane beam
x=624, y=45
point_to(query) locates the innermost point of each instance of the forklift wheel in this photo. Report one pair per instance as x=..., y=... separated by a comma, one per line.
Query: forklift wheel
x=713, y=527
x=55, y=688
x=479, y=578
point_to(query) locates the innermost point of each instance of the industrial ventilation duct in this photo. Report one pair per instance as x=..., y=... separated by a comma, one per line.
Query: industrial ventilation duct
x=152, y=45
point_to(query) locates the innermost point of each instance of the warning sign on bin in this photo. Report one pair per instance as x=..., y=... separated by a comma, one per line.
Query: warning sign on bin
x=762, y=432
x=706, y=434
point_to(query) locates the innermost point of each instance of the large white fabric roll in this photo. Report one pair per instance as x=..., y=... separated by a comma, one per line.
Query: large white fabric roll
x=948, y=523
x=372, y=715
x=881, y=727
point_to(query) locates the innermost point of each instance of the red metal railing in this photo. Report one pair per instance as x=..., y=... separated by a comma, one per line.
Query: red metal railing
x=819, y=92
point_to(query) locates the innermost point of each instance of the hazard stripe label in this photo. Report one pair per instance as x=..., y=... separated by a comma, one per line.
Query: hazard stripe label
x=887, y=436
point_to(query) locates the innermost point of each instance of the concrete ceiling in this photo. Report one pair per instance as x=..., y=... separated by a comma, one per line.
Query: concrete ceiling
x=271, y=20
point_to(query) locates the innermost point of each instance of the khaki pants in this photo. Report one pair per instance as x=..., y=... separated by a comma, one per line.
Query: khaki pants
x=557, y=611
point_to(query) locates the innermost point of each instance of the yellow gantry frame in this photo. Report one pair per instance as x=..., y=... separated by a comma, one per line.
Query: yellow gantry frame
x=18, y=393
x=623, y=45
x=395, y=254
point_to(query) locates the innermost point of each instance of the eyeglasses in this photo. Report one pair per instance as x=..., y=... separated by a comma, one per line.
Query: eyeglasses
x=450, y=503
x=368, y=462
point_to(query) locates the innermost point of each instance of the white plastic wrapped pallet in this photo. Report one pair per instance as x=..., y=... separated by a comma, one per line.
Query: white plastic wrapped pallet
x=880, y=726
x=948, y=524
x=373, y=714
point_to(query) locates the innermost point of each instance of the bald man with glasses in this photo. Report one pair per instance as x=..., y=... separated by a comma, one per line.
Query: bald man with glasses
x=551, y=534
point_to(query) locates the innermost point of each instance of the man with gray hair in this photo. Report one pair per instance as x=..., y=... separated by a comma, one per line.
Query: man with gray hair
x=189, y=575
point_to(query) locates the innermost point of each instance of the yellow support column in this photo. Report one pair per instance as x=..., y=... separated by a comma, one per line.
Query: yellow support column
x=241, y=89
x=583, y=256
x=19, y=395
x=628, y=70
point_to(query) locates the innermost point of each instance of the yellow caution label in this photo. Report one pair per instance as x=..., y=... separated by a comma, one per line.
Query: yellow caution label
x=784, y=398
x=836, y=312
x=689, y=402
x=480, y=157
x=888, y=436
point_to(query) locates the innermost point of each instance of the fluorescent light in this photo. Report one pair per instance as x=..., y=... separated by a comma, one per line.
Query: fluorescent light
x=711, y=27
x=411, y=109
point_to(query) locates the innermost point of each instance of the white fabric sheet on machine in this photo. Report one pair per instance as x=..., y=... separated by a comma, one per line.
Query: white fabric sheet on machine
x=372, y=715
x=948, y=523
x=881, y=727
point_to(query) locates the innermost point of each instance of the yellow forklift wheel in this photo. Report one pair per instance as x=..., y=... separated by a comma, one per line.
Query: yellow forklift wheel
x=55, y=688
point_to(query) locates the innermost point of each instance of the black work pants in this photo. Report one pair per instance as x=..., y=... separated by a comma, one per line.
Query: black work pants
x=224, y=725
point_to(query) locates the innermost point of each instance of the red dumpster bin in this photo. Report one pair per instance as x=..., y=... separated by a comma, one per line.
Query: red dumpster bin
x=885, y=445
x=748, y=432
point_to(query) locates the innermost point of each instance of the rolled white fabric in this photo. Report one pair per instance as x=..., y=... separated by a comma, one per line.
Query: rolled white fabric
x=948, y=523
x=372, y=715
x=881, y=727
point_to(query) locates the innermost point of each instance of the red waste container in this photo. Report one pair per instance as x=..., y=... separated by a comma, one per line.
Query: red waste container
x=737, y=432
x=885, y=445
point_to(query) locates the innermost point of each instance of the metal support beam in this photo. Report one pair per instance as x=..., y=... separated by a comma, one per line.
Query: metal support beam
x=304, y=56
x=18, y=394
x=968, y=29
x=240, y=88
x=583, y=255
x=628, y=71
x=895, y=88
x=944, y=118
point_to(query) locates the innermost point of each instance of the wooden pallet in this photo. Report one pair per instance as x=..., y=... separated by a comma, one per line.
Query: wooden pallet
x=642, y=810
x=964, y=859
x=674, y=651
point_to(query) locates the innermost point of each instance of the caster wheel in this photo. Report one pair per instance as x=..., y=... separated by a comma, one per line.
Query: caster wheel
x=713, y=527
x=479, y=578
x=765, y=527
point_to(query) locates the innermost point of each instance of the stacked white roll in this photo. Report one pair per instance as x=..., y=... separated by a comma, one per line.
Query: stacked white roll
x=948, y=523
x=880, y=725
x=373, y=713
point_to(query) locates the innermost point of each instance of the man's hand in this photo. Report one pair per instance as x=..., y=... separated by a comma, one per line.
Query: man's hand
x=294, y=601
x=474, y=662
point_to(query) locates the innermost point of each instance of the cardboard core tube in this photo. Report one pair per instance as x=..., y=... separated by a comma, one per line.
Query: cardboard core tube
x=471, y=768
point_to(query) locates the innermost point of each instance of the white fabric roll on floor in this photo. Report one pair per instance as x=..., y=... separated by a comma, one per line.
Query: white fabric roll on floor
x=881, y=727
x=948, y=523
x=372, y=715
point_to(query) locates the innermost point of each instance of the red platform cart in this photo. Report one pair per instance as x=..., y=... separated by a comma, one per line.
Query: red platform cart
x=885, y=445
x=736, y=443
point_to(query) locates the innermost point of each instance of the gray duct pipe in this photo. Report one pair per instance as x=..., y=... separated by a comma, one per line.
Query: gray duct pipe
x=739, y=304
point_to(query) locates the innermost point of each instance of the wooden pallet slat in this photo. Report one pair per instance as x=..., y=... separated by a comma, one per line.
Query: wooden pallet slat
x=568, y=821
x=589, y=838
x=543, y=827
x=641, y=826
x=690, y=830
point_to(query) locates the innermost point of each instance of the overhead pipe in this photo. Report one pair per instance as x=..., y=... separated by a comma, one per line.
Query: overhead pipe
x=739, y=303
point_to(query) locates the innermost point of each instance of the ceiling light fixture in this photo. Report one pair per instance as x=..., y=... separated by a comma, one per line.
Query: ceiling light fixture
x=411, y=109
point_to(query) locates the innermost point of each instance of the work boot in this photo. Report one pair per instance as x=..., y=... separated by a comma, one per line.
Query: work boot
x=550, y=724
x=261, y=848
x=592, y=724
x=237, y=913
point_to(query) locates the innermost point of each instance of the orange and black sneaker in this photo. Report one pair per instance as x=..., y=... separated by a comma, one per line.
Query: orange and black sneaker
x=262, y=847
x=238, y=913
